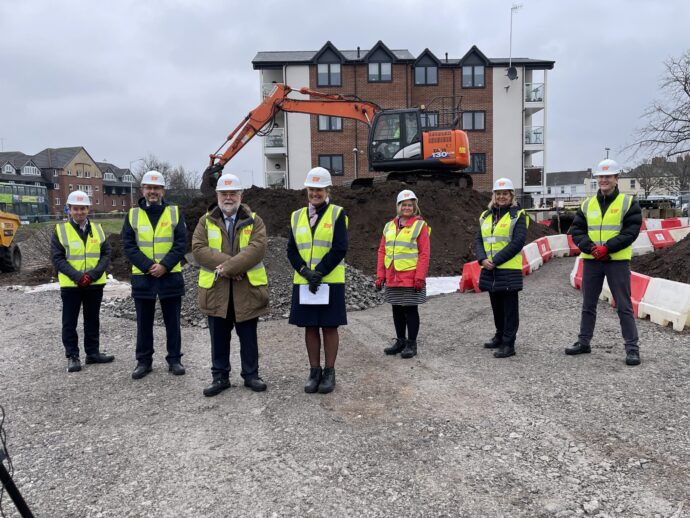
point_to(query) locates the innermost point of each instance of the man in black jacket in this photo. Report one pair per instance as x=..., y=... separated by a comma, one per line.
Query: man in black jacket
x=604, y=229
x=81, y=255
x=154, y=238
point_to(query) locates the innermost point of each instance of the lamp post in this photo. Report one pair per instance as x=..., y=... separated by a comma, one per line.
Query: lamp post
x=131, y=181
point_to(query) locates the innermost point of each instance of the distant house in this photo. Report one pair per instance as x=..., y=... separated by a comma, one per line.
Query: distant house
x=567, y=186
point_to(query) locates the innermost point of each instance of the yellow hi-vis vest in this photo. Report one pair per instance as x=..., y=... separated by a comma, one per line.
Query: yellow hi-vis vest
x=256, y=275
x=497, y=238
x=601, y=229
x=401, y=247
x=154, y=243
x=82, y=257
x=312, y=249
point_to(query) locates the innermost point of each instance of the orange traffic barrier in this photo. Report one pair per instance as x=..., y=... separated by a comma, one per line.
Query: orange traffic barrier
x=574, y=250
x=660, y=238
x=671, y=223
x=638, y=287
x=470, y=277
x=576, y=274
x=644, y=224
x=525, y=264
x=544, y=248
x=545, y=222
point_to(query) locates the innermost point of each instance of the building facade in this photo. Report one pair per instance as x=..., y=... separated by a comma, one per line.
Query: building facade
x=503, y=117
x=63, y=170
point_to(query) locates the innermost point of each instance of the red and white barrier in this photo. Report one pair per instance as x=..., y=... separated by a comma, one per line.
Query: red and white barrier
x=679, y=234
x=642, y=244
x=671, y=223
x=576, y=274
x=666, y=302
x=531, y=255
x=559, y=245
x=651, y=224
x=544, y=249
x=470, y=277
x=660, y=238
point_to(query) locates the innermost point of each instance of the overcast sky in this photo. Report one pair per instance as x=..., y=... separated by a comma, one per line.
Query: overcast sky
x=128, y=78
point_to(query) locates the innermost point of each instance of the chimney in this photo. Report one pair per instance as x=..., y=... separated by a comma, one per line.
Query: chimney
x=357, y=52
x=446, y=57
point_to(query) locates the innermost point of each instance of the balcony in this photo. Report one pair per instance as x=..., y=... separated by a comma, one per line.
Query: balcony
x=274, y=142
x=533, y=176
x=267, y=88
x=276, y=179
x=534, y=97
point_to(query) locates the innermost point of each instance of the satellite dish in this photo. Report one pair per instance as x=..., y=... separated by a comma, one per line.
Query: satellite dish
x=512, y=73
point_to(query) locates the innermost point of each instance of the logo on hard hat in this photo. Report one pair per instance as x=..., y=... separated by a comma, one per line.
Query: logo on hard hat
x=80, y=198
x=501, y=183
x=227, y=181
x=154, y=178
x=316, y=178
x=604, y=168
x=407, y=194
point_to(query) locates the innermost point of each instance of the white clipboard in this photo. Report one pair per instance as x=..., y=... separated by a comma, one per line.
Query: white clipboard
x=321, y=297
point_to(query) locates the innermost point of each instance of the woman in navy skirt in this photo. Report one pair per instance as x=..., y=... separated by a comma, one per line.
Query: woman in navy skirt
x=403, y=261
x=316, y=250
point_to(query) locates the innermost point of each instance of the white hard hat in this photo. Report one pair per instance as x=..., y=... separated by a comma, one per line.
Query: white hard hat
x=405, y=195
x=78, y=198
x=153, y=178
x=318, y=177
x=503, y=184
x=607, y=167
x=229, y=182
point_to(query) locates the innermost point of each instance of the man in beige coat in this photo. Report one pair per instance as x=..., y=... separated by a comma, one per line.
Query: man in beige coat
x=229, y=244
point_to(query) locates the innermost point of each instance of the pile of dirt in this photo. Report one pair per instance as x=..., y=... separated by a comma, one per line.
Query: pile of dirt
x=451, y=212
x=668, y=263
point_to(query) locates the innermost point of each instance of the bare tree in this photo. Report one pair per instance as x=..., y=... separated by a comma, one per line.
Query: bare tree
x=651, y=175
x=679, y=173
x=667, y=131
x=181, y=185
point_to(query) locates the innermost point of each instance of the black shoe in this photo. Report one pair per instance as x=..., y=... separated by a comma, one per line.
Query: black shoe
x=505, y=351
x=578, y=348
x=632, y=358
x=256, y=384
x=216, y=387
x=140, y=371
x=410, y=349
x=327, y=381
x=73, y=364
x=313, y=381
x=177, y=369
x=397, y=346
x=99, y=358
x=494, y=343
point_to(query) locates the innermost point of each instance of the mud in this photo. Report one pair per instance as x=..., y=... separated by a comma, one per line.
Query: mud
x=668, y=263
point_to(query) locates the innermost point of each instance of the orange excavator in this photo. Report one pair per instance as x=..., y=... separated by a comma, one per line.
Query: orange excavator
x=399, y=147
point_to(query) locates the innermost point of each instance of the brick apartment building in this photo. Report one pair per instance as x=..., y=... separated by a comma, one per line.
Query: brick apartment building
x=504, y=118
x=63, y=170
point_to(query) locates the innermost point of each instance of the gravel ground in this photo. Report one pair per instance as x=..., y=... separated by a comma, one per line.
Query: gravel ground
x=452, y=432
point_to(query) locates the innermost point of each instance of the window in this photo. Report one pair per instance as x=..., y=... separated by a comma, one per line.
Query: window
x=128, y=178
x=98, y=201
x=56, y=186
x=328, y=74
x=71, y=187
x=69, y=172
x=8, y=169
x=473, y=121
x=426, y=75
x=31, y=170
x=123, y=202
x=473, y=76
x=57, y=200
x=328, y=123
x=334, y=163
x=548, y=190
x=109, y=177
x=477, y=163
x=632, y=184
x=79, y=174
x=87, y=174
x=380, y=72
x=113, y=203
x=96, y=188
x=429, y=119
x=56, y=173
x=562, y=189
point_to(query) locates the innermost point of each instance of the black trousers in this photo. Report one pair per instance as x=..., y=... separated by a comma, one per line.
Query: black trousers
x=506, y=315
x=220, y=329
x=146, y=311
x=72, y=301
x=617, y=274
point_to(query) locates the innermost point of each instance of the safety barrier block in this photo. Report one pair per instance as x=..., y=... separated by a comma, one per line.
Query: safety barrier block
x=684, y=222
x=670, y=223
x=660, y=238
x=652, y=224
x=642, y=245
x=576, y=274
x=666, y=301
x=678, y=234
x=638, y=287
x=470, y=277
x=545, y=222
x=533, y=256
x=606, y=292
x=574, y=250
x=558, y=245
x=525, y=264
x=544, y=249
x=644, y=224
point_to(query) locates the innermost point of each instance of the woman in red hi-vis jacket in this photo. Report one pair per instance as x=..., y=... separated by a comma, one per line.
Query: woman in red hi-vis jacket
x=403, y=261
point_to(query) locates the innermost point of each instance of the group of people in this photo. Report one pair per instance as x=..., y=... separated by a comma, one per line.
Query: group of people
x=229, y=244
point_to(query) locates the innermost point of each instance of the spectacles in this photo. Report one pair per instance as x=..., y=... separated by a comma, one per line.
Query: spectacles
x=230, y=194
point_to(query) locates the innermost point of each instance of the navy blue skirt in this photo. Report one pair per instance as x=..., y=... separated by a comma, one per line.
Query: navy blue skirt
x=332, y=314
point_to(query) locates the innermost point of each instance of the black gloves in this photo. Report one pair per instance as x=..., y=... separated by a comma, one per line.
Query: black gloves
x=313, y=276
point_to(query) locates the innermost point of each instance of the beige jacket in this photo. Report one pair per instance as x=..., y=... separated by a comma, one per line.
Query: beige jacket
x=249, y=301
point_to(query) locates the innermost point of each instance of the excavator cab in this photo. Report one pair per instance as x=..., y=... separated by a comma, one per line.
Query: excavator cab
x=395, y=135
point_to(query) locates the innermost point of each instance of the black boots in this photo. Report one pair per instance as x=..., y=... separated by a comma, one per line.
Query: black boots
x=216, y=387
x=313, y=381
x=327, y=381
x=410, y=349
x=99, y=358
x=494, y=343
x=140, y=371
x=505, y=351
x=73, y=364
x=578, y=348
x=177, y=369
x=395, y=347
x=632, y=358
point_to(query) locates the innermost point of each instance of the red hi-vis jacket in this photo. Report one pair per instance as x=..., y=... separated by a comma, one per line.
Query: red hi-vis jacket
x=396, y=279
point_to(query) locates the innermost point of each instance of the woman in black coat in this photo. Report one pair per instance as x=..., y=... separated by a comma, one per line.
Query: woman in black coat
x=498, y=247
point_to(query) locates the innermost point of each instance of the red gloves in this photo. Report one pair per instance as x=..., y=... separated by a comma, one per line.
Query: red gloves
x=379, y=283
x=600, y=252
x=419, y=285
x=84, y=281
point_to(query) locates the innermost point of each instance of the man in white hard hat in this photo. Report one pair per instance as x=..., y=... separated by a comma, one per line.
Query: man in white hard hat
x=229, y=243
x=604, y=229
x=154, y=238
x=81, y=254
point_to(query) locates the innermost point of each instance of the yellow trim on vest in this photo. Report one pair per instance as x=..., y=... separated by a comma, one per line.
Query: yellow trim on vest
x=497, y=238
x=401, y=246
x=601, y=229
x=82, y=257
x=154, y=243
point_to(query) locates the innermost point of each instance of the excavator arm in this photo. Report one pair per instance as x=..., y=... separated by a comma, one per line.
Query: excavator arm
x=319, y=104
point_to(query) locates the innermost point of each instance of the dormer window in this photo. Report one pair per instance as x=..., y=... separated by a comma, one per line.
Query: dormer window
x=473, y=76
x=109, y=177
x=31, y=170
x=380, y=72
x=426, y=75
x=8, y=169
x=328, y=74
